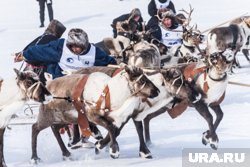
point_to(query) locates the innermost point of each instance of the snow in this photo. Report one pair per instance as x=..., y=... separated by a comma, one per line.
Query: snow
x=19, y=23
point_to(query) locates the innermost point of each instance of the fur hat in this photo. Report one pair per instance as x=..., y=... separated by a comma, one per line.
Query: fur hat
x=77, y=37
x=56, y=28
x=135, y=12
x=168, y=13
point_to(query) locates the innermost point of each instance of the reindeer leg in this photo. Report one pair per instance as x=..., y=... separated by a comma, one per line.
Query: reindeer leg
x=44, y=120
x=146, y=124
x=55, y=129
x=219, y=115
x=144, y=151
x=110, y=138
x=210, y=135
x=2, y=161
x=246, y=54
x=35, y=131
x=113, y=132
x=95, y=131
x=114, y=147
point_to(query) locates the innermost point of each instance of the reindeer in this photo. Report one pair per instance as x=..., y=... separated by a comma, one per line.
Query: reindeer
x=246, y=47
x=207, y=82
x=13, y=96
x=229, y=40
x=134, y=84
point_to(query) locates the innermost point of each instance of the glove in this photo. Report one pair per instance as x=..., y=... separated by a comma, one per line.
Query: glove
x=18, y=57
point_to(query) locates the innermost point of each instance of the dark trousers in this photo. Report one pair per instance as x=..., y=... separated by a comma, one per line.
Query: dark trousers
x=42, y=10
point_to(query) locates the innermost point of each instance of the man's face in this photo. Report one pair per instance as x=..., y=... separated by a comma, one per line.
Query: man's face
x=76, y=50
x=167, y=22
x=136, y=18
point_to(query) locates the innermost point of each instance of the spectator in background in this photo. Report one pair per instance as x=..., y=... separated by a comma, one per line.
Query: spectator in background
x=42, y=10
x=155, y=5
x=135, y=14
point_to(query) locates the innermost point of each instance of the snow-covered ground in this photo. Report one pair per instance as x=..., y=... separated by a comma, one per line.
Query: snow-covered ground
x=19, y=23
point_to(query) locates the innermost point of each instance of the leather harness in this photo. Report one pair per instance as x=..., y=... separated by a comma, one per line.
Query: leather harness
x=191, y=74
x=79, y=105
x=105, y=95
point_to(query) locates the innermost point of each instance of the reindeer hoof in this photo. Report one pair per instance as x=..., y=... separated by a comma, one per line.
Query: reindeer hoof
x=35, y=161
x=114, y=151
x=214, y=144
x=97, y=147
x=68, y=158
x=146, y=156
x=114, y=155
x=205, y=139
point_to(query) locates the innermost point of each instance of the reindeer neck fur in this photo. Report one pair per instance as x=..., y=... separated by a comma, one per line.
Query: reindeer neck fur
x=188, y=50
x=163, y=99
x=11, y=101
x=121, y=40
x=217, y=83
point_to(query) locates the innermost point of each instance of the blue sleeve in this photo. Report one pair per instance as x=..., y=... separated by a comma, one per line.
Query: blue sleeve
x=103, y=59
x=45, y=54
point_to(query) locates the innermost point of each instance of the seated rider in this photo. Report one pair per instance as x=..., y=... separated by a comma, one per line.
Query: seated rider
x=136, y=16
x=167, y=29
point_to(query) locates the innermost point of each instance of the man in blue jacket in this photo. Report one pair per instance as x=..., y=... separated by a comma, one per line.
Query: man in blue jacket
x=72, y=54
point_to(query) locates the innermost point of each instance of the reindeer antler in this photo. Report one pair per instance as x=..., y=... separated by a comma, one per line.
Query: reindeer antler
x=187, y=21
x=158, y=15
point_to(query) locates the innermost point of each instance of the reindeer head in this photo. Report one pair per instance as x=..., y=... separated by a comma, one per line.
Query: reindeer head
x=174, y=82
x=140, y=85
x=30, y=86
x=192, y=36
x=221, y=62
x=129, y=25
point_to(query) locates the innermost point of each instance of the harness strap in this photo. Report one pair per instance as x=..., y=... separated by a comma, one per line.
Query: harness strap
x=125, y=34
x=78, y=104
x=191, y=48
x=116, y=71
x=105, y=95
x=148, y=102
x=192, y=74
